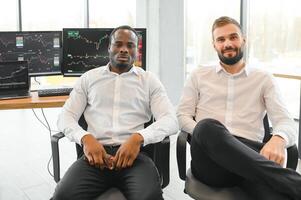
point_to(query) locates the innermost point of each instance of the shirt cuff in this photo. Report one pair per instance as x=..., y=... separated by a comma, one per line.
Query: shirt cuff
x=146, y=136
x=78, y=135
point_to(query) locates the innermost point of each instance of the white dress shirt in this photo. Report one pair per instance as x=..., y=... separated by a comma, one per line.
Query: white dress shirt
x=239, y=101
x=115, y=106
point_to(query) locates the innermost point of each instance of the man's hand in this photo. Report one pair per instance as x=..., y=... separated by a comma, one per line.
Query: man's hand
x=128, y=152
x=95, y=152
x=274, y=150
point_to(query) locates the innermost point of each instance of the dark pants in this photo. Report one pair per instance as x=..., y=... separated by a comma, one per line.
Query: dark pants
x=219, y=159
x=85, y=182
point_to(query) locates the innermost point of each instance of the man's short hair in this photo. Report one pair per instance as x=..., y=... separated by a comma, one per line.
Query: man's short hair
x=224, y=20
x=122, y=27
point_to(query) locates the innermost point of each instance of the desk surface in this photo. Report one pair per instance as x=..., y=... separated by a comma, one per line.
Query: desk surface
x=33, y=102
x=288, y=76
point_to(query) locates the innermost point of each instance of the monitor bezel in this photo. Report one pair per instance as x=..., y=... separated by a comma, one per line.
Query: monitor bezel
x=74, y=74
x=23, y=62
x=36, y=74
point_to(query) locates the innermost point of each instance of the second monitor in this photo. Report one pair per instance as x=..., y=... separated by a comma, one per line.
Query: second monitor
x=41, y=49
x=87, y=48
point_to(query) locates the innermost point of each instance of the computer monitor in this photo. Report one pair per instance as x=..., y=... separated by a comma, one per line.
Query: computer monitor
x=87, y=48
x=42, y=50
x=14, y=75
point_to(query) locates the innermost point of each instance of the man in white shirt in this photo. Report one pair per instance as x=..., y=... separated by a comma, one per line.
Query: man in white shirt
x=223, y=107
x=116, y=100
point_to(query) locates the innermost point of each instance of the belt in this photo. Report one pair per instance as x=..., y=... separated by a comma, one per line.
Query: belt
x=111, y=149
x=112, y=146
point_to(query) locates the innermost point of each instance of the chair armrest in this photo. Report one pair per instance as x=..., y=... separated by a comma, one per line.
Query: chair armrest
x=56, y=155
x=181, y=153
x=292, y=157
x=161, y=159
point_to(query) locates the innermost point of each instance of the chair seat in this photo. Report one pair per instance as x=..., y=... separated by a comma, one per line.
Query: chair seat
x=201, y=191
x=111, y=194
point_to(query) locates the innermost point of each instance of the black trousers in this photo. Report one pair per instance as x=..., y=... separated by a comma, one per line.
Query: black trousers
x=219, y=159
x=85, y=182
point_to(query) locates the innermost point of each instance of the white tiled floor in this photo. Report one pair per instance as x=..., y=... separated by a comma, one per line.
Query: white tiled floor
x=25, y=151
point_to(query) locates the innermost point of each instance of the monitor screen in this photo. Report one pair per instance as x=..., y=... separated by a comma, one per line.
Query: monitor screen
x=85, y=49
x=42, y=50
x=14, y=75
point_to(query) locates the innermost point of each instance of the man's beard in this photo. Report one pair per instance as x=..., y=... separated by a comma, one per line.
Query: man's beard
x=120, y=65
x=232, y=60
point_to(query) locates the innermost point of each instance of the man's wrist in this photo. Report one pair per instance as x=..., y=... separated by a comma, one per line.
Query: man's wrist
x=279, y=139
x=138, y=138
x=84, y=138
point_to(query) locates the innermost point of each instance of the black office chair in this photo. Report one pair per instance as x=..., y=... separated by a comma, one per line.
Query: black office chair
x=158, y=152
x=198, y=190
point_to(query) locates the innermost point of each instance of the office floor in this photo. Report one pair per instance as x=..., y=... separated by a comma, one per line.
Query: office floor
x=25, y=151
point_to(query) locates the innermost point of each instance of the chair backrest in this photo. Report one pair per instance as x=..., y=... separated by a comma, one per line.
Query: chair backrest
x=79, y=149
x=267, y=129
x=292, y=152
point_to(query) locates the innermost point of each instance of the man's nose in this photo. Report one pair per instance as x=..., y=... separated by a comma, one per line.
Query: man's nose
x=228, y=44
x=124, y=49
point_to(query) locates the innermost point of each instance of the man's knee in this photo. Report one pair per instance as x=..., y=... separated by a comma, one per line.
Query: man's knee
x=135, y=187
x=206, y=128
x=65, y=191
x=152, y=193
x=68, y=195
x=60, y=195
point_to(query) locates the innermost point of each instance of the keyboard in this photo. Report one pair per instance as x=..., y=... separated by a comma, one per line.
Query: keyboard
x=54, y=92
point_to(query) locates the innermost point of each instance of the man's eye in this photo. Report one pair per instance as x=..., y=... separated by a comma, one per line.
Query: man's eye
x=131, y=46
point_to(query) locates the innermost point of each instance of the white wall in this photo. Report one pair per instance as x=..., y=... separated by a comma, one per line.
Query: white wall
x=164, y=20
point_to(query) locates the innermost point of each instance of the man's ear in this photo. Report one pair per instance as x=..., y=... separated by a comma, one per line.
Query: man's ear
x=213, y=44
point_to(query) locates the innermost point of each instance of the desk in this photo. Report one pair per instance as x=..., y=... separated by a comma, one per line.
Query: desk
x=296, y=77
x=33, y=102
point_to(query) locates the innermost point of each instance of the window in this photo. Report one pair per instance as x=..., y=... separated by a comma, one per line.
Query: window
x=274, y=34
x=274, y=43
x=110, y=14
x=52, y=15
x=8, y=15
x=199, y=19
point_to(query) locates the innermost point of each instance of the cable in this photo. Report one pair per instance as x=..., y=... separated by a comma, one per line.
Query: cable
x=35, y=79
x=43, y=122
x=48, y=166
x=47, y=126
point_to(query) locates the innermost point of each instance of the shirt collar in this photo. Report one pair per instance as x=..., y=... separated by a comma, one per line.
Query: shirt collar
x=132, y=70
x=244, y=70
